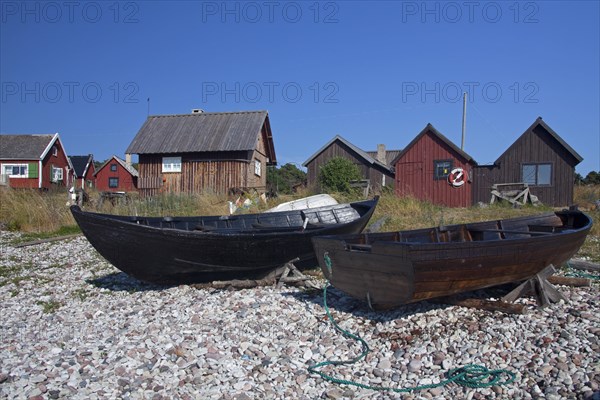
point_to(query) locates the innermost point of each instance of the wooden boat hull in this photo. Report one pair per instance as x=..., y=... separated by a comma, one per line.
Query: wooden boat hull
x=201, y=249
x=395, y=268
x=318, y=200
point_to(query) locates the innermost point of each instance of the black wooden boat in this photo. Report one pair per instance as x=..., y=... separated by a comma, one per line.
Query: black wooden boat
x=173, y=250
x=393, y=268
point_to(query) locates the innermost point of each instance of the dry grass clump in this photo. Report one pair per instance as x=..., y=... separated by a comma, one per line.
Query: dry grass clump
x=410, y=213
x=587, y=196
x=167, y=204
x=34, y=211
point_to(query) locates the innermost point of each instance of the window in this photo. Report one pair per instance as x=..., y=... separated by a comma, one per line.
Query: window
x=54, y=151
x=113, y=167
x=15, y=170
x=441, y=169
x=113, y=182
x=257, y=167
x=536, y=174
x=57, y=174
x=171, y=164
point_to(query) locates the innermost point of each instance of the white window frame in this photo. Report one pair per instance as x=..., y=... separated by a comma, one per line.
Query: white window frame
x=25, y=174
x=257, y=167
x=171, y=164
x=57, y=174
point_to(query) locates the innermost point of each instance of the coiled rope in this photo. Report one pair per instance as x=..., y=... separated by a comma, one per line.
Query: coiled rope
x=472, y=376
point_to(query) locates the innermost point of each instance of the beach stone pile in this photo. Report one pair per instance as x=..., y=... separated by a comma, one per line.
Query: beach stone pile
x=74, y=327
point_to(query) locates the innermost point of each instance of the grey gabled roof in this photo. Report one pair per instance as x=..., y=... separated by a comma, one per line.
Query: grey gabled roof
x=361, y=153
x=550, y=131
x=390, y=155
x=431, y=128
x=199, y=132
x=80, y=164
x=24, y=147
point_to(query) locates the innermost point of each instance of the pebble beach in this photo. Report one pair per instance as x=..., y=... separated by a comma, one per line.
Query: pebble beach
x=75, y=327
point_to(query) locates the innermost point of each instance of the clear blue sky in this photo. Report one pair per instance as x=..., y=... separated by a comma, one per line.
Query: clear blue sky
x=373, y=72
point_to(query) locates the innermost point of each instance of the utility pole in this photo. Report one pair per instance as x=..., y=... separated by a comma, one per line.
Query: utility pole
x=464, y=121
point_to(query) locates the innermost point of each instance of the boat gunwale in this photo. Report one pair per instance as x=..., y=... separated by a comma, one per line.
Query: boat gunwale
x=278, y=231
x=367, y=247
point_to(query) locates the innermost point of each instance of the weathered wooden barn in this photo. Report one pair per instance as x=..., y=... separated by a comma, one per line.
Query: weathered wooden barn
x=83, y=171
x=541, y=159
x=422, y=170
x=116, y=175
x=204, y=152
x=34, y=161
x=373, y=166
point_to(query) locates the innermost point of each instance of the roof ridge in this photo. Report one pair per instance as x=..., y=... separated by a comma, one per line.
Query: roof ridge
x=27, y=134
x=208, y=113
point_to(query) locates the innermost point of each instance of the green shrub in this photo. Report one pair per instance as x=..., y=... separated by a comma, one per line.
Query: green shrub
x=336, y=175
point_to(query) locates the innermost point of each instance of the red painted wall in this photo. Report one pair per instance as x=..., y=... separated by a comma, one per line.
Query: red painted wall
x=58, y=161
x=89, y=176
x=127, y=182
x=23, y=183
x=415, y=173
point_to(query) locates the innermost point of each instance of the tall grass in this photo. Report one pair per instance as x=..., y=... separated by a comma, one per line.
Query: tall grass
x=34, y=211
x=165, y=204
x=586, y=196
x=410, y=213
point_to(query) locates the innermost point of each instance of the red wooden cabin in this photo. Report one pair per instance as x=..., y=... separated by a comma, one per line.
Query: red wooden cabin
x=34, y=161
x=84, y=170
x=116, y=176
x=424, y=166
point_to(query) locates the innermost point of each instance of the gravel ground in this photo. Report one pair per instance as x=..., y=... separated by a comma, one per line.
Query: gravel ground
x=75, y=327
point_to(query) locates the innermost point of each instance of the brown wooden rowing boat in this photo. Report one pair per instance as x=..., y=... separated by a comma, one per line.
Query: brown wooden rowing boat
x=392, y=268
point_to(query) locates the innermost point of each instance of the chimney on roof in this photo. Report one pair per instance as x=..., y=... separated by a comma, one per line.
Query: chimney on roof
x=197, y=111
x=128, y=160
x=381, y=154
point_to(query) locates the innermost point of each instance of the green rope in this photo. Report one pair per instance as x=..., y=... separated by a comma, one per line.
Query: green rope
x=328, y=262
x=579, y=274
x=472, y=376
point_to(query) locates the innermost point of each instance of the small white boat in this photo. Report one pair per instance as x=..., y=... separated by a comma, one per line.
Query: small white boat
x=318, y=200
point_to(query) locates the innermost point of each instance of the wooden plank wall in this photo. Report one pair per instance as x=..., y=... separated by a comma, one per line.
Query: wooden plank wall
x=197, y=176
x=534, y=146
x=415, y=170
x=338, y=149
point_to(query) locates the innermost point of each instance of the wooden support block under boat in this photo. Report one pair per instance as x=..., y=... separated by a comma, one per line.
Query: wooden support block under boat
x=543, y=291
x=288, y=274
x=570, y=281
